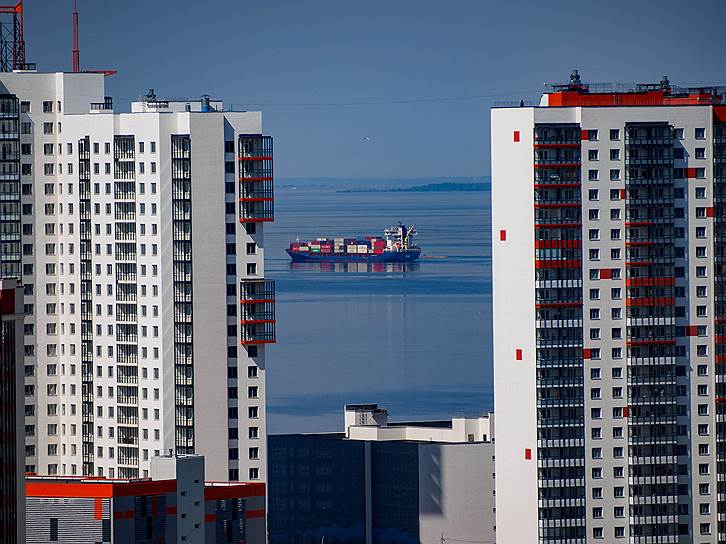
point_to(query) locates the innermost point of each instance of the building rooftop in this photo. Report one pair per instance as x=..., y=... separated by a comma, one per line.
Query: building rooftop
x=576, y=93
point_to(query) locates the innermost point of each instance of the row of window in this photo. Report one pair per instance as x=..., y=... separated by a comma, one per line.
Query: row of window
x=615, y=194
x=699, y=133
x=594, y=154
x=50, y=170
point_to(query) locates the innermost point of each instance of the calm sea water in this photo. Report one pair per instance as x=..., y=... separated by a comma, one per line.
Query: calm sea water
x=416, y=339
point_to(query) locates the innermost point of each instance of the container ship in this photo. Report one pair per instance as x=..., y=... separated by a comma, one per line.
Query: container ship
x=394, y=247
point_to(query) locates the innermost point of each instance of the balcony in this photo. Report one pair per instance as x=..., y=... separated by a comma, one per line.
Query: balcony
x=257, y=312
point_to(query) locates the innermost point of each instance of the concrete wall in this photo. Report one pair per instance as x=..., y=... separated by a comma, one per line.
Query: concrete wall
x=456, y=492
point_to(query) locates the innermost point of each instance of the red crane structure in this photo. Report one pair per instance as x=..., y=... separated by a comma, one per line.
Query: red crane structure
x=12, y=42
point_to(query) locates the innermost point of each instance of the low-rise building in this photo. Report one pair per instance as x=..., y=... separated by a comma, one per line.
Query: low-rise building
x=175, y=505
x=384, y=482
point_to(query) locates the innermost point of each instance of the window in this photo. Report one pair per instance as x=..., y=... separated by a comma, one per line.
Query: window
x=595, y=393
x=619, y=532
x=700, y=271
x=615, y=234
x=700, y=133
x=594, y=313
x=594, y=294
x=615, y=253
x=614, y=154
x=594, y=373
x=594, y=254
x=597, y=532
x=614, y=134
x=614, y=174
x=703, y=489
x=700, y=152
x=47, y=106
x=615, y=214
x=592, y=135
x=618, y=452
x=593, y=194
x=594, y=234
x=596, y=475
x=596, y=413
x=592, y=155
x=703, y=430
x=593, y=175
x=703, y=449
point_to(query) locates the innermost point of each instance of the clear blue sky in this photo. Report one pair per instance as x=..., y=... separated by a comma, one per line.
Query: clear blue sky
x=267, y=54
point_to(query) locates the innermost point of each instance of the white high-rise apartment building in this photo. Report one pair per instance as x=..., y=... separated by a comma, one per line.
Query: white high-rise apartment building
x=146, y=306
x=609, y=249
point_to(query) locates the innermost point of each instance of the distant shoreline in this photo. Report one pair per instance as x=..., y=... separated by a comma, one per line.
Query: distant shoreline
x=428, y=188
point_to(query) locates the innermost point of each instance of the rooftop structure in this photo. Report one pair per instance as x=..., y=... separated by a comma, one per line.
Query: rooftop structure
x=381, y=481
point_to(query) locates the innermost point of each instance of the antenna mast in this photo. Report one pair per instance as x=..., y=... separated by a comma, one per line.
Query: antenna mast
x=76, y=52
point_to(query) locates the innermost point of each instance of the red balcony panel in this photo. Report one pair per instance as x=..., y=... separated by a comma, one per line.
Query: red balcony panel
x=557, y=225
x=651, y=301
x=540, y=263
x=556, y=146
x=690, y=173
x=260, y=158
x=558, y=165
x=626, y=411
x=561, y=244
x=709, y=211
x=557, y=185
x=650, y=282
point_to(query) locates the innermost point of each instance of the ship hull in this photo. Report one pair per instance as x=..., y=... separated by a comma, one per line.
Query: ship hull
x=406, y=256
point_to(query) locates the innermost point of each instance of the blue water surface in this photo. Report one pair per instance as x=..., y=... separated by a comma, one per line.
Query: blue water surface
x=415, y=338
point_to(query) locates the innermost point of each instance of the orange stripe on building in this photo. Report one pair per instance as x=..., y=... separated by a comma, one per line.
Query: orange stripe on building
x=255, y=514
x=98, y=508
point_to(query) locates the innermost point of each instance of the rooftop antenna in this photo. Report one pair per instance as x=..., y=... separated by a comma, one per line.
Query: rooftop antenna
x=76, y=52
x=575, y=78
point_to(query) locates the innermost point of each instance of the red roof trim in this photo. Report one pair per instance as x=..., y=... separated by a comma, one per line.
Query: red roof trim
x=216, y=492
